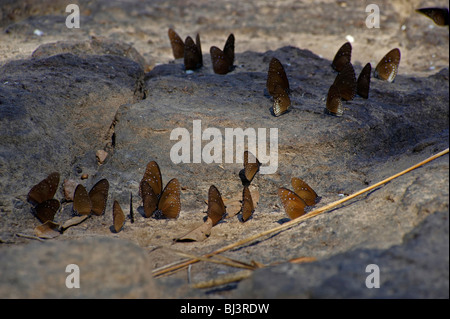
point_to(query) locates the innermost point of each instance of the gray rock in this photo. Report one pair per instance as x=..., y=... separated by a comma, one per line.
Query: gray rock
x=418, y=268
x=108, y=268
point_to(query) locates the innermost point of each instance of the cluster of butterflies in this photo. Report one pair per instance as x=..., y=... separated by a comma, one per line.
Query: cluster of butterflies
x=84, y=203
x=159, y=202
x=344, y=87
x=222, y=60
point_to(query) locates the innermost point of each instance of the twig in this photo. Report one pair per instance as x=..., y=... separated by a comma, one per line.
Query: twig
x=226, y=279
x=29, y=236
x=182, y=264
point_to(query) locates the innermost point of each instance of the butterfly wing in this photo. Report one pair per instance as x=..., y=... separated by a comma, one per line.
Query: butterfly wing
x=304, y=191
x=45, y=189
x=177, y=44
x=153, y=177
x=387, y=68
x=220, y=62
x=292, y=203
x=342, y=57
x=46, y=210
x=199, y=48
x=192, y=55
x=169, y=203
x=99, y=196
x=81, y=201
x=334, y=102
x=149, y=198
x=346, y=82
x=276, y=76
x=247, y=204
x=118, y=216
x=228, y=49
x=281, y=101
x=363, y=82
x=440, y=16
x=216, y=207
x=251, y=166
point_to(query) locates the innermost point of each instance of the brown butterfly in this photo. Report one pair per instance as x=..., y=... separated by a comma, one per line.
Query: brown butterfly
x=346, y=82
x=193, y=58
x=292, y=203
x=387, y=68
x=216, y=208
x=281, y=101
x=177, y=44
x=95, y=201
x=304, y=191
x=342, y=57
x=156, y=200
x=363, y=82
x=247, y=205
x=440, y=16
x=276, y=76
x=334, y=102
x=278, y=86
x=222, y=61
x=44, y=190
x=131, y=208
x=251, y=167
x=118, y=216
x=46, y=210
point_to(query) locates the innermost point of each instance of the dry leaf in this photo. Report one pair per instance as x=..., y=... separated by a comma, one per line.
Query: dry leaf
x=233, y=208
x=74, y=221
x=47, y=230
x=199, y=233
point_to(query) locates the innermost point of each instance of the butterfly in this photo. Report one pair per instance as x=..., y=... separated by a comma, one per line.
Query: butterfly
x=177, y=44
x=292, y=203
x=193, y=58
x=304, y=191
x=156, y=200
x=44, y=190
x=342, y=57
x=440, y=16
x=387, y=68
x=346, y=82
x=363, y=82
x=118, y=216
x=247, y=205
x=216, y=208
x=46, y=210
x=251, y=167
x=278, y=86
x=41, y=195
x=334, y=102
x=222, y=61
x=95, y=201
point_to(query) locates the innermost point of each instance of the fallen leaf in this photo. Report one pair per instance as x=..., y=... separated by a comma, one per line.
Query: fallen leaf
x=74, y=221
x=199, y=233
x=47, y=230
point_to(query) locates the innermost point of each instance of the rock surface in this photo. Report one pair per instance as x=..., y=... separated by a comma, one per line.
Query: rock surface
x=69, y=93
x=39, y=270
